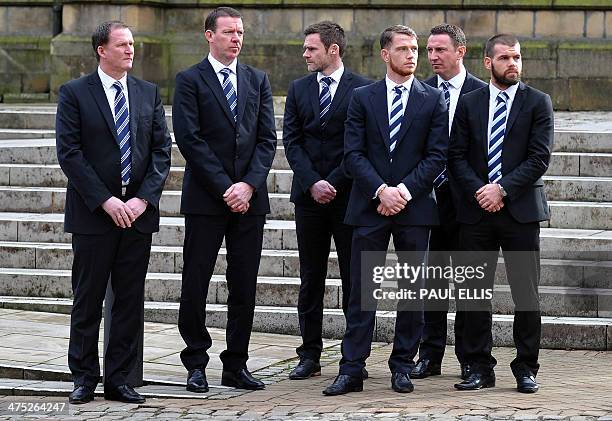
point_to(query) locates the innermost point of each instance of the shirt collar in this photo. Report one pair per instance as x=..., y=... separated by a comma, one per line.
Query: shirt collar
x=456, y=81
x=218, y=66
x=108, y=81
x=391, y=84
x=494, y=91
x=336, y=75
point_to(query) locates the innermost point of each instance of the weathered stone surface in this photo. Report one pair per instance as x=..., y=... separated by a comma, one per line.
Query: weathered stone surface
x=20, y=20
x=595, y=24
x=372, y=24
x=476, y=23
x=423, y=20
x=343, y=17
x=589, y=94
x=559, y=23
x=515, y=22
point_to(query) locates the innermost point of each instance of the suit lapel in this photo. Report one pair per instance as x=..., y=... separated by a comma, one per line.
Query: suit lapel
x=244, y=82
x=313, y=95
x=517, y=104
x=483, y=108
x=134, y=99
x=343, y=88
x=378, y=99
x=467, y=85
x=415, y=102
x=97, y=91
x=210, y=78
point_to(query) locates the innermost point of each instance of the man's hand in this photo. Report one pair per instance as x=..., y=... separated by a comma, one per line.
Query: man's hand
x=392, y=201
x=322, y=192
x=237, y=196
x=137, y=206
x=121, y=213
x=489, y=197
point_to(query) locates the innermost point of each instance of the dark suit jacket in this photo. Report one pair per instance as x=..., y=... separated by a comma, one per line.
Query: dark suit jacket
x=313, y=148
x=447, y=208
x=526, y=153
x=88, y=152
x=418, y=158
x=220, y=152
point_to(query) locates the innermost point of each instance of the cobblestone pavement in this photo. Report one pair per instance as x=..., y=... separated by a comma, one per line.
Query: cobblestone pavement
x=575, y=385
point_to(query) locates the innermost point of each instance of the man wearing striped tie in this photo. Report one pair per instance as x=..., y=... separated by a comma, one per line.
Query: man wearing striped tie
x=501, y=145
x=114, y=147
x=224, y=126
x=395, y=142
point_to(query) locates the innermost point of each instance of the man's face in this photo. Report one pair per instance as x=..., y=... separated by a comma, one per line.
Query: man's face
x=444, y=57
x=117, y=55
x=226, y=41
x=505, y=65
x=317, y=58
x=401, y=56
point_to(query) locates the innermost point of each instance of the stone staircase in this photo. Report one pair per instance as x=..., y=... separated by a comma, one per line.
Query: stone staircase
x=576, y=284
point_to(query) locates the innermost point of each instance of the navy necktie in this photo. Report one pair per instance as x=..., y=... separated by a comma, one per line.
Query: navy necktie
x=395, y=118
x=122, y=125
x=496, y=140
x=442, y=177
x=229, y=91
x=325, y=98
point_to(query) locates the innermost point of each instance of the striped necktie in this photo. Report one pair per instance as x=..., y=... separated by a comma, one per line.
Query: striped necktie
x=325, y=98
x=442, y=177
x=229, y=91
x=395, y=118
x=122, y=125
x=496, y=141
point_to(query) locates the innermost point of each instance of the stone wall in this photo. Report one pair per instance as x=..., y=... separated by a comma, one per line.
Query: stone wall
x=567, y=48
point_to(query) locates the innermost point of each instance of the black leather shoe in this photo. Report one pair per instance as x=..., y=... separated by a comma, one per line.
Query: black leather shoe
x=527, y=384
x=81, y=394
x=196, y=381
x=466, y=370
x=364, y=373
x=477, y=381
x=241, y=379
x=400, y=382
x=305, y=369
x=344, y=384
x=123, y=393
x=425, y=368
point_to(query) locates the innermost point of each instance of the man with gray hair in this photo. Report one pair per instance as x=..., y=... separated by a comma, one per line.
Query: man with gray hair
x=396, y=136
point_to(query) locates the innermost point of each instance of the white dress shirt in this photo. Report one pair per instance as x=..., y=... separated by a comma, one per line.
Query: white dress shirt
x=454, y=88
x=218, y=66
x=336, y=75
x=493, y=92
x=107, y=84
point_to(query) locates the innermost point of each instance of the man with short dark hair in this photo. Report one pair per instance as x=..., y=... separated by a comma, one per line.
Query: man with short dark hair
x=395, y=141
x=114, y=147
x=501, y=145
x=224, y=127
x=446, y=47
x=313, y=135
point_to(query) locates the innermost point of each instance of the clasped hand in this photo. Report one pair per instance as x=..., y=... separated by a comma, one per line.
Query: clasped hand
x=392, y=201
x=322, y=192
x=489, y=197
x=124, y=213
x=237, y=197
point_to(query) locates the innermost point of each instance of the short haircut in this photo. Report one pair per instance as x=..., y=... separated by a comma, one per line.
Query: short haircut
x=386, y=38
x=330, y=33
x=453, y=31
x=102, y=33
x=504, y=39
x=210, y=24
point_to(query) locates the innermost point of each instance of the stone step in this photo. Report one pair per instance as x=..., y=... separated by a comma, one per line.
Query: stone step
x=583, y=215
x=27, y=133
x=283, y=292
x=285, y=263
x=555, y=243
x=557, y=332
x=588, y=189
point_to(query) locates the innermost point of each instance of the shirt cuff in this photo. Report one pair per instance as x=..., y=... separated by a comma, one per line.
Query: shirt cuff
x=404, y=189
x=378, y=190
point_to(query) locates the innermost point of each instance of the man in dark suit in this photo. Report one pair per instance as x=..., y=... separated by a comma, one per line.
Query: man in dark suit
x=224, y=126
x=501, y=145
x=395, y=141
x=313, y=135
x=114, y=147
x=446, y=48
